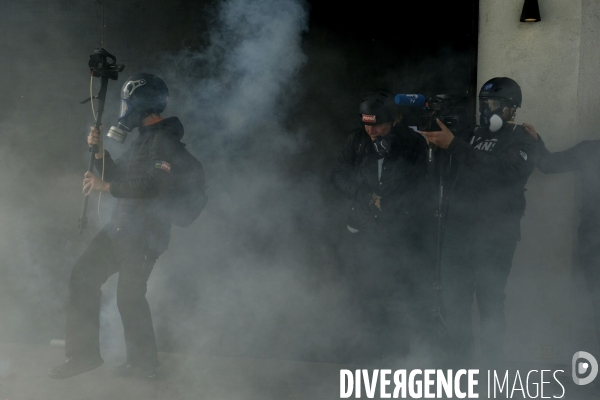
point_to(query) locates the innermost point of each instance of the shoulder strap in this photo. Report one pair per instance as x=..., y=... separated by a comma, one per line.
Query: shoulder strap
x=360, y=149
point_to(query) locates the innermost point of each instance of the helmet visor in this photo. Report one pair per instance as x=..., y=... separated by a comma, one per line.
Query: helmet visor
x=129, y=87
x=491, y=104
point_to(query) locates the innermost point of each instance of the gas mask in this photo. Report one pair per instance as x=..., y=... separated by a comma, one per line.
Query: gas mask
x=129, y=117
x=491, y=113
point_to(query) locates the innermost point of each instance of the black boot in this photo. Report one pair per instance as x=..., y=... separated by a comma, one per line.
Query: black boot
x=74, y=366
x=136, y=370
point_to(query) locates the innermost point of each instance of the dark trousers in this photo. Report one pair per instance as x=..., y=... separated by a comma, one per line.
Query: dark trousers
x=479, y=266
x=109, y=252
x=389, y=290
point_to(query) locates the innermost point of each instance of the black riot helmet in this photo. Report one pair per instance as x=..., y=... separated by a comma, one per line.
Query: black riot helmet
x=504, y=88
x=495, y=96
x=145, y=93
x=377, y=107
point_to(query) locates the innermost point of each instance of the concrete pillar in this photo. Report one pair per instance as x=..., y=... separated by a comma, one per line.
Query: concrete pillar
x=555, y=62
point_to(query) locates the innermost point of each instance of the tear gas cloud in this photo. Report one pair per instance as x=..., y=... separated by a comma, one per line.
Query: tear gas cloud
x=255, y=275
x=258, y=274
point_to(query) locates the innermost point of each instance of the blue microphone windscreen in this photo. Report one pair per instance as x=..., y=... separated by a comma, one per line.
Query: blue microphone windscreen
x=414, y=100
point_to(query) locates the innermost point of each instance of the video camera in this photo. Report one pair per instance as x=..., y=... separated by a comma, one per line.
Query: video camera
x=102, y=63
x=441, y=106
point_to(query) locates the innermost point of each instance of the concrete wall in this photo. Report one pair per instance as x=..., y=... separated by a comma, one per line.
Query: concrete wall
x=556, y=63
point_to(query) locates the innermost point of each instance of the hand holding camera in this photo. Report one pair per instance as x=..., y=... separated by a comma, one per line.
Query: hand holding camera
x=92, y=182
x=95, y=138
x=441, y=138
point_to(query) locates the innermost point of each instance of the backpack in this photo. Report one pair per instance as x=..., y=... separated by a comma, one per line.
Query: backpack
x=186, y=195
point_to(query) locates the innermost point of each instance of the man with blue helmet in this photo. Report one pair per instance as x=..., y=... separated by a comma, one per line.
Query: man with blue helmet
x=486, y=202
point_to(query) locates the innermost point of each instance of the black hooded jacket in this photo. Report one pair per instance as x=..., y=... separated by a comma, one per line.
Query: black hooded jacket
x=403, y=173
x=140, y=178
x=487, y=196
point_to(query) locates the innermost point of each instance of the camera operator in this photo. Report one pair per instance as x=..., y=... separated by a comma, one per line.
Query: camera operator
x=138, y=233
x=585, y=158
x=485, y=206
x=381, y=170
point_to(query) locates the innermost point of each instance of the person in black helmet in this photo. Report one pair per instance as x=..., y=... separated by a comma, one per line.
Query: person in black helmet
x=131, y=242
x=485, y=206
x=380, y=171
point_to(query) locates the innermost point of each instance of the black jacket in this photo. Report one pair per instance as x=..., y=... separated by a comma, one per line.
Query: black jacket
x=583, y=157
x=403, y=173
x=487, y=195
x=140, y=179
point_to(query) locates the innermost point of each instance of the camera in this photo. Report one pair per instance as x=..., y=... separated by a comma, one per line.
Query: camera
x=446, y=109
x=104, y=64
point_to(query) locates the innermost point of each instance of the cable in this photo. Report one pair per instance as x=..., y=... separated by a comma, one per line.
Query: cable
x=100, y=193
x=102, y=177
x=92, y=96
x=95, y=119
x=102, y=42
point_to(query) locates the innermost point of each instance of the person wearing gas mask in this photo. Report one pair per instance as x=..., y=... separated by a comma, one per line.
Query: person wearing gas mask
x=584, y=158
x=485, y=205
x=380, y=171
x=136, y=235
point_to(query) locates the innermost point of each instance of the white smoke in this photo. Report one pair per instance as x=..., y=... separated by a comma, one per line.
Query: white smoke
x=234, y=97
